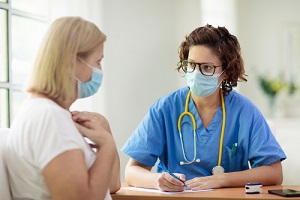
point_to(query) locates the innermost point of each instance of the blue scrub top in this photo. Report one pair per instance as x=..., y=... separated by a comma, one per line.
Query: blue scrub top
x=157, y=137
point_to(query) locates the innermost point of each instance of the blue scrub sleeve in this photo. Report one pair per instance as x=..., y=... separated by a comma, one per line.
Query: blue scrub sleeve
x=264, y=148
x=147, y=141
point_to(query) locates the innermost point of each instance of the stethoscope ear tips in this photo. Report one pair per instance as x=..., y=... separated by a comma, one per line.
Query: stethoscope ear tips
x=198, y=160
x=181, y=163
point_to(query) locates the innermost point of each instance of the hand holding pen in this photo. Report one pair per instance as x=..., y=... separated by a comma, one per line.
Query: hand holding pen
x=167, y=183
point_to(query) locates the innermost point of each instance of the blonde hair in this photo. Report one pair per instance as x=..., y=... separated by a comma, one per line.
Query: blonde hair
x=54, y=67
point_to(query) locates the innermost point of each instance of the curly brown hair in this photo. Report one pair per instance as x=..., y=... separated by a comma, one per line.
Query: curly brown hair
x=224, y=45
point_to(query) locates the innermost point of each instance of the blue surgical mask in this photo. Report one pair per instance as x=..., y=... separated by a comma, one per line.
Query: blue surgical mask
x=91, y=87
x=201, y=85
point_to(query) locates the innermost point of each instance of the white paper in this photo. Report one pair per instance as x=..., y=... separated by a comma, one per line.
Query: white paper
x=158, y=191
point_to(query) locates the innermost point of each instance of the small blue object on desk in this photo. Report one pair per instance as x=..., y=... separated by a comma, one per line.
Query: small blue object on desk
x=164, y=168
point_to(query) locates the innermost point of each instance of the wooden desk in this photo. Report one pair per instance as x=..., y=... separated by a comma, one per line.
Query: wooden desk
x=218, y=194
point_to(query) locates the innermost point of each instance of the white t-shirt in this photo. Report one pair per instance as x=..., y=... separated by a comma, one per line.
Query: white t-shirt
x=41, y=131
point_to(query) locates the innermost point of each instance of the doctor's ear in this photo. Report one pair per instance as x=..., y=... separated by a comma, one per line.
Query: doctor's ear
x=224, y=75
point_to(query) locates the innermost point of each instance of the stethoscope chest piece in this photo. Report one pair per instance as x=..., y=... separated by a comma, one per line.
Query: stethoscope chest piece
x=189, y=162
x=218, y=170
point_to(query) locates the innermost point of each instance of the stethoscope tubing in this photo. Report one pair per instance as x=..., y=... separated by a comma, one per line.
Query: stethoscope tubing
x=186, y=112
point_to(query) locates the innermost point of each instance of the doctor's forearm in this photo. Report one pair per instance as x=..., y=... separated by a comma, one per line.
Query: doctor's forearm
x=267, y=175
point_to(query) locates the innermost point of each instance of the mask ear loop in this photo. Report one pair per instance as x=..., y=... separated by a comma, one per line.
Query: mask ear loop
x=77, y=79
x=85, y=62
x=181, y=74
x=222, y=79
x=93, y=68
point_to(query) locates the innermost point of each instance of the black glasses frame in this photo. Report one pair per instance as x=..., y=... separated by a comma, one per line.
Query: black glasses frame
x=185, y=63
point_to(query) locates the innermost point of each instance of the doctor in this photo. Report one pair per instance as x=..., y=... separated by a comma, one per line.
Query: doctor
x=207, y=134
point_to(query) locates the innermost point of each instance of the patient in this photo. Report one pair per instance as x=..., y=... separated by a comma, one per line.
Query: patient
x=46, y=153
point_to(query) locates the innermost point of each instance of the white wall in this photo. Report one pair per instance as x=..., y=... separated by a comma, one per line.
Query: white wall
x=261, y=25
x=220, y=13
x=287, y=134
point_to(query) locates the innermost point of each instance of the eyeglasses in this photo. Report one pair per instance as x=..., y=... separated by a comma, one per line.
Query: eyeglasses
x=205, y=69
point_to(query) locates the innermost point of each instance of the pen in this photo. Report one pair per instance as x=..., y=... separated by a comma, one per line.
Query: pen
x=233, y=150
x=161, y=165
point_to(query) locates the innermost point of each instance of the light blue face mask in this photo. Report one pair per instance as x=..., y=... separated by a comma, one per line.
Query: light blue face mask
x=201, y=85
x=91, y=87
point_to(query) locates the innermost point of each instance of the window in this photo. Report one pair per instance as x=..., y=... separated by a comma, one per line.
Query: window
x=22, y=26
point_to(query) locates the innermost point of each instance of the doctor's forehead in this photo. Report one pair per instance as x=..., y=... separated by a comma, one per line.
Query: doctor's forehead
x=203, y=54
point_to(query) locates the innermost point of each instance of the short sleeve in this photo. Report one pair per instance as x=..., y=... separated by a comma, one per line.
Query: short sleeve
x=147, y=141
x=52, y=134
x=264, y=148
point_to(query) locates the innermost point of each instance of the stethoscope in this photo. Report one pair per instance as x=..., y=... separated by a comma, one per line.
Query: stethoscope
x=217, y=169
